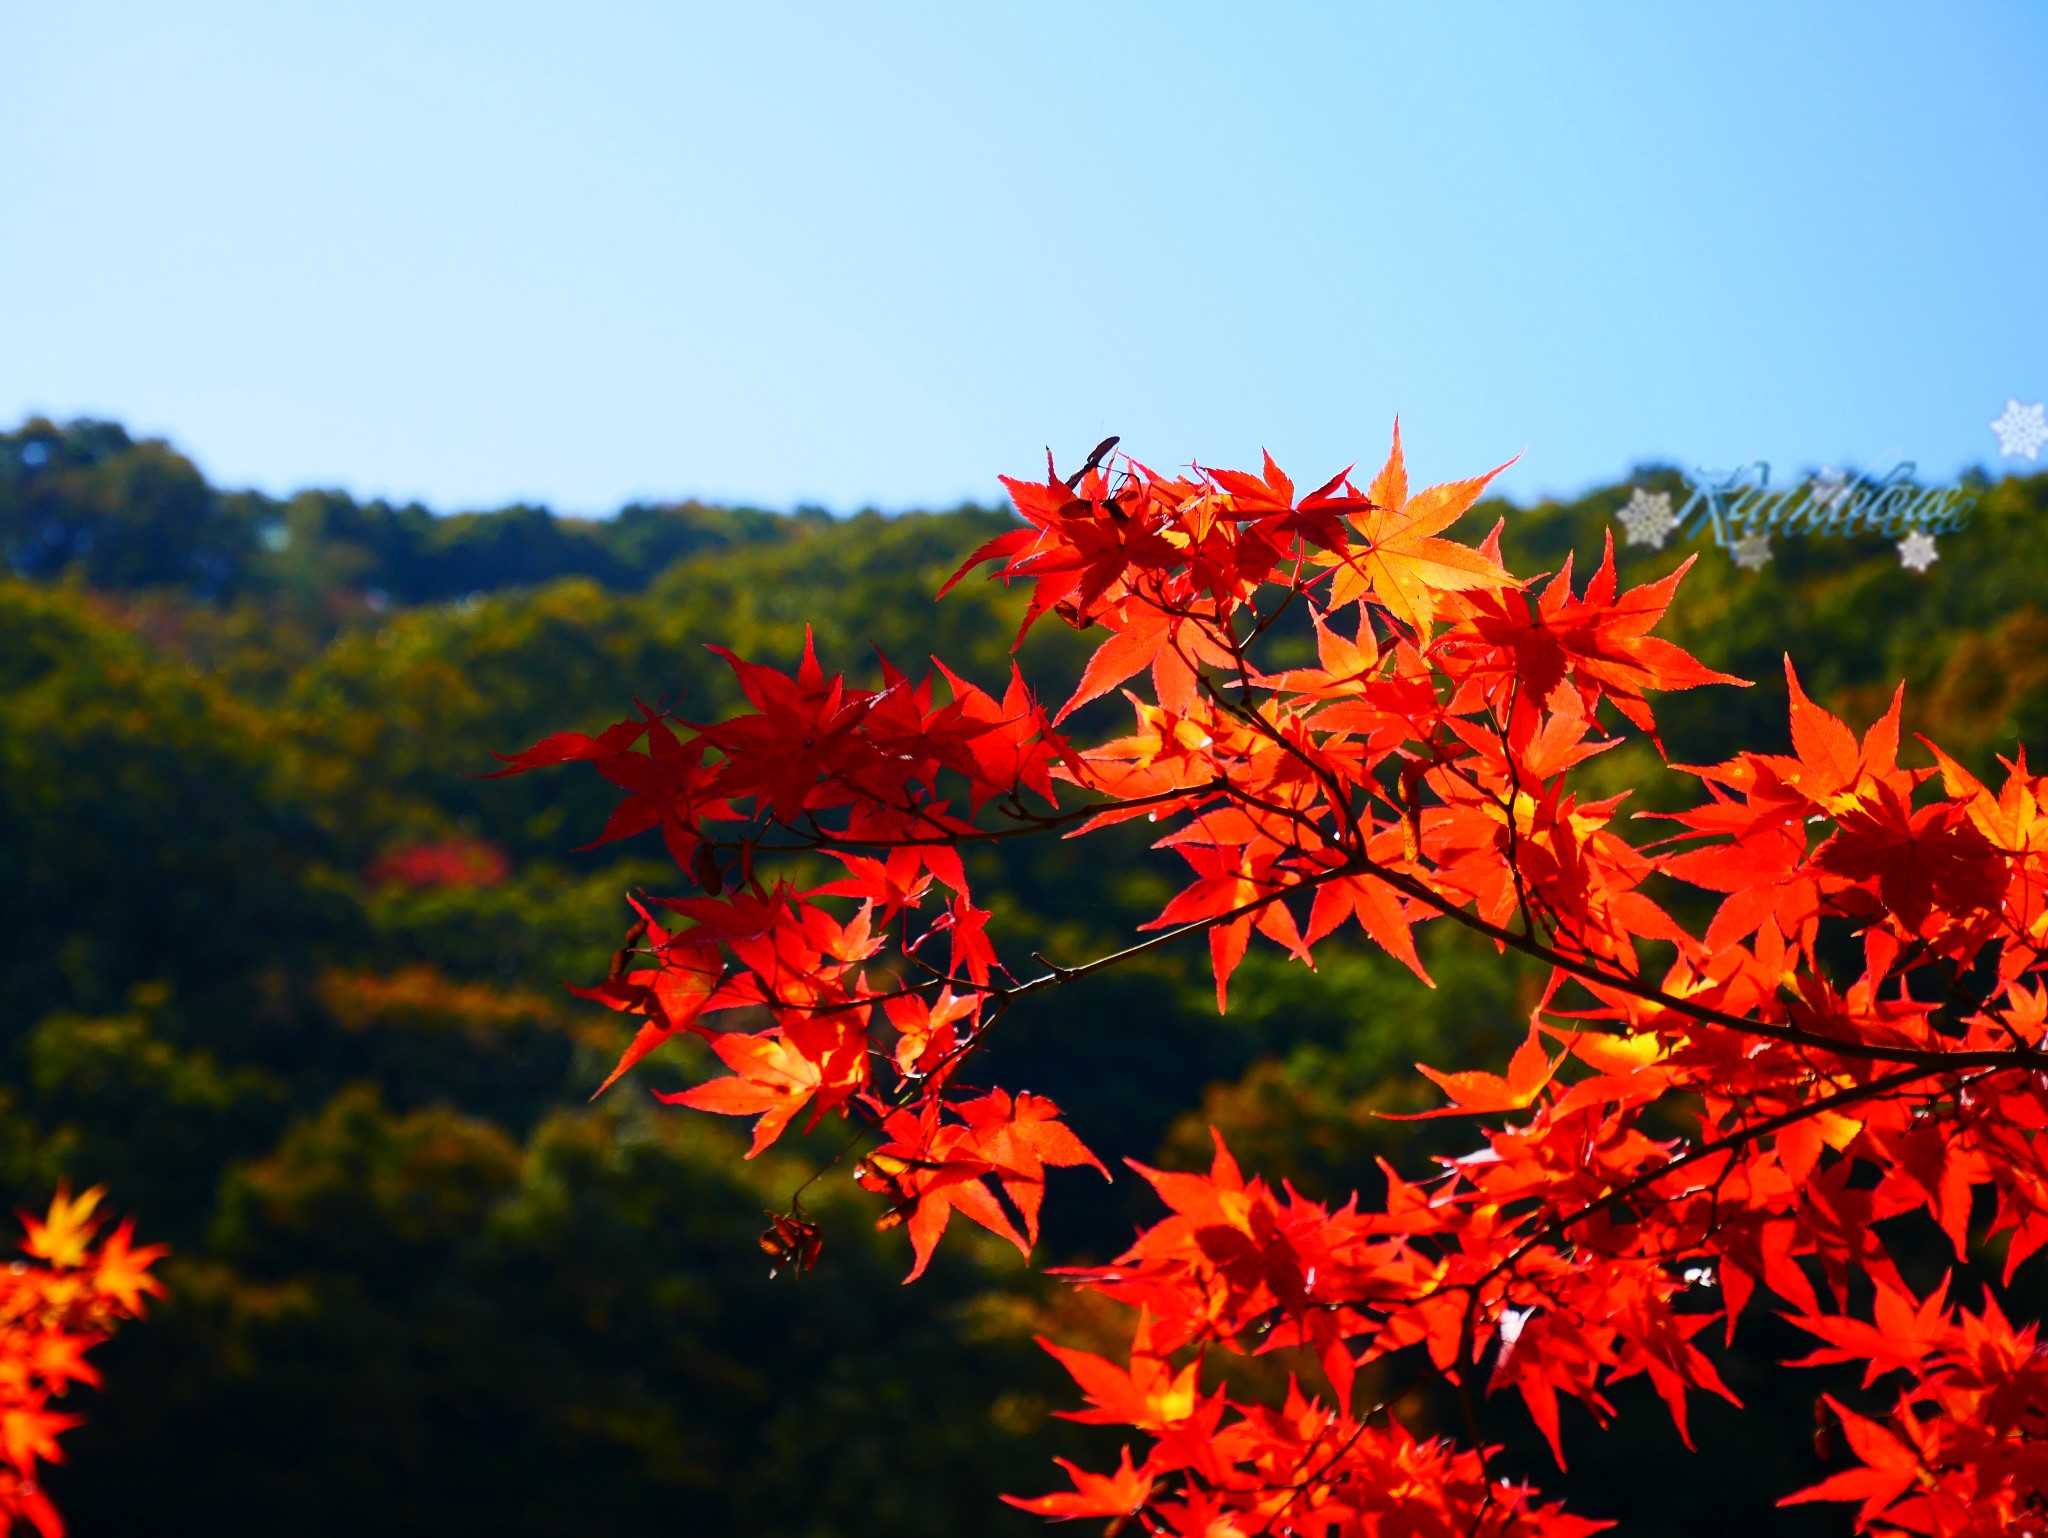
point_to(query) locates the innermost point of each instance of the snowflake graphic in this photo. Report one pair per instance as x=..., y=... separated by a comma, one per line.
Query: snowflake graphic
x=1917, y=552
x=2021, y=430
x=1648, y=518
x=1828, y=488
x=1752, y=552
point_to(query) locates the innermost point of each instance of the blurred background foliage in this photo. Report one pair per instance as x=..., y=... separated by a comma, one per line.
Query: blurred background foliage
x=279, y=969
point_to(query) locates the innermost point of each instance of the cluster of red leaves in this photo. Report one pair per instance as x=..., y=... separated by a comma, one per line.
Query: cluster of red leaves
x=52, y=1312
x=451, y=862
x=1422, y=770
x=1966, y=1447
x=819, y=764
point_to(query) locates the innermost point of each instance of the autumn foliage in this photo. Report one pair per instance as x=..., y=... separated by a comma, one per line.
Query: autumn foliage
x=1705, y=1118
x=54, y=1308
x=455, y=862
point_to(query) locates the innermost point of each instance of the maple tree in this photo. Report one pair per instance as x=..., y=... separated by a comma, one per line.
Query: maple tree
x=79, y=1286
x=1699, y=1116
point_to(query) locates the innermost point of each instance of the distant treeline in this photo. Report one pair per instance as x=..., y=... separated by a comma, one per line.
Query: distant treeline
x=128, y=514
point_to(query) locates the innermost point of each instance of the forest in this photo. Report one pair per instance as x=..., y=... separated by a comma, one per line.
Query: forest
x=282, y=969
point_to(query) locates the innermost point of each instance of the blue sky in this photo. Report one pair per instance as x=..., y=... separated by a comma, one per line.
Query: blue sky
x=877, y=254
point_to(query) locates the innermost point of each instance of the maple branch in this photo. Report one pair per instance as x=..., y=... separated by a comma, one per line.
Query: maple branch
x=1705, y=1013
x=1509, y=807
x=1181, y=569
x=1467, y=1328
x=1361, y=863
x=1035, y=823
x=1557, y=1227
x=1266, y=621
x=1528, y=944
x=1058, y=975
x=1297, y=1485
x=1585, y=970
x=1335, y=793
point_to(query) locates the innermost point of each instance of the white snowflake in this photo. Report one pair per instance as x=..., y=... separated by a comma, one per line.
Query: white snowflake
x=1917, y=552
x=2021, y=429
x=1648, y=518
x=1752, y=552
x=1828, y=488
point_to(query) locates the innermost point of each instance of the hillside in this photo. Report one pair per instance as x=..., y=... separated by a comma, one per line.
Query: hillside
x=281, y=971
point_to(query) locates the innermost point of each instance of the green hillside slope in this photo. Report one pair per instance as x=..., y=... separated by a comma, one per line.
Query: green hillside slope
x=281, y=971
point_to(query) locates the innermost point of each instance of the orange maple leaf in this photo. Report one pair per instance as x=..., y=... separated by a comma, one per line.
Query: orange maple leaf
x=1120, y=1494
x=1397, y=557
x=770, y=1078
x=1478, y=1093
x=65, y=1233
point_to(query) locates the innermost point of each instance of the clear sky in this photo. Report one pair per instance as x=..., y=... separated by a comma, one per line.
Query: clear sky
x=585, y=252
